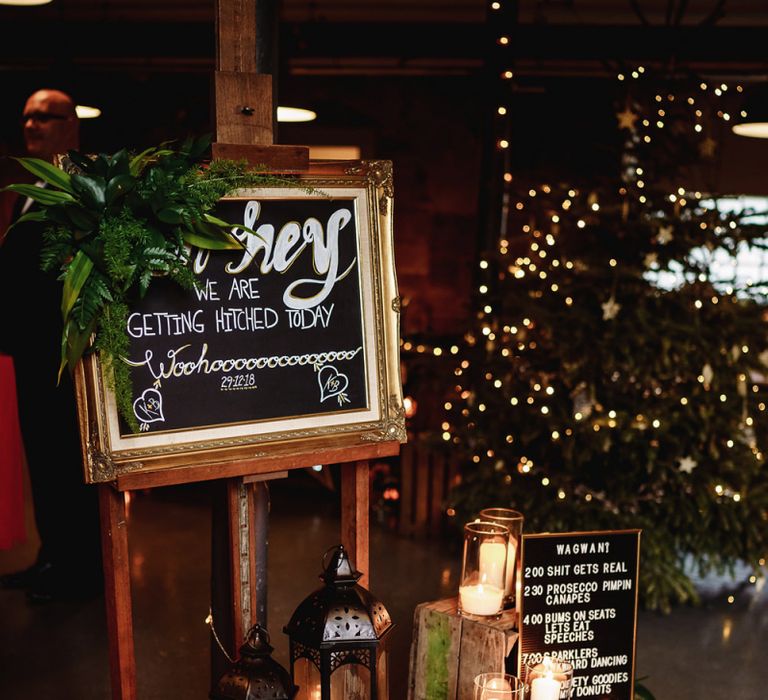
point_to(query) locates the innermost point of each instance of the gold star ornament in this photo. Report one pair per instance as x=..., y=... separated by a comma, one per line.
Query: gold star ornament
x=627, y=119
x=687, y=464
x=610, y=309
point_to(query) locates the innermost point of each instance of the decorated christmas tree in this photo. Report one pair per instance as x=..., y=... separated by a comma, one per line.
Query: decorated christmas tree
x=615, y=375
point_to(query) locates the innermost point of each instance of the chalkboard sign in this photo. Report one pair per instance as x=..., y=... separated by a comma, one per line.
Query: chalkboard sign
x=292, y=339
x=579, y=602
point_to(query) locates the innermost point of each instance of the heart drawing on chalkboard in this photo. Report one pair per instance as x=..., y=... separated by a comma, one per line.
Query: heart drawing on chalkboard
x=148, y=408
x=332, y=383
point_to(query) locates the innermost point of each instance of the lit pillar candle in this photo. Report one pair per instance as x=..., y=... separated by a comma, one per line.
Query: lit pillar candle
x=481, y=599
x=545, y=688
x=498, y=684
x=493, y=555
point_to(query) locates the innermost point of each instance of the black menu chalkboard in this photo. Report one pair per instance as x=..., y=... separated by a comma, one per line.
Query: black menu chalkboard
x=579, y=602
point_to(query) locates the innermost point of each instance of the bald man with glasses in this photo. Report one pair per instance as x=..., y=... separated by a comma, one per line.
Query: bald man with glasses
x=66, y=510
x=50, y=124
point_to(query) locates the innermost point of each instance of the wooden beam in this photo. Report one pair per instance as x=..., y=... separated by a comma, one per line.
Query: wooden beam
x=285, y=159
x=243, y=108
x=262, y=465
x=236, y=35
x=354, y=515
x=240, y=560
x=117, y=592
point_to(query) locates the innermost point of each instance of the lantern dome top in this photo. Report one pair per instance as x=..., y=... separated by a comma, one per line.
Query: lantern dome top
x=341, y=611
x=256, y=675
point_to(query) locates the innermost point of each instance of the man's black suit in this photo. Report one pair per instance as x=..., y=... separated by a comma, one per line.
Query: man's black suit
x=66, y=510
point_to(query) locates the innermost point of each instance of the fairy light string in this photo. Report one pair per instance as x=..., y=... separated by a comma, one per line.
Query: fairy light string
x=539, y=419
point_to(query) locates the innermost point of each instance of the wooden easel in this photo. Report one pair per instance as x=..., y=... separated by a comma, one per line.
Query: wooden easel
x=239, y=475
x=244, y=121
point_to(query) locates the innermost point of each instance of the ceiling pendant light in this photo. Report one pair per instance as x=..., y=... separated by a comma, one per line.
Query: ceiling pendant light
x=25, y=3
x=752, y=118
x=295, y=114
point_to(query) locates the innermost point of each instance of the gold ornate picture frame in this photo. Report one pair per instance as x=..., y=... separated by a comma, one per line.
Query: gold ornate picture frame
x=288, y=345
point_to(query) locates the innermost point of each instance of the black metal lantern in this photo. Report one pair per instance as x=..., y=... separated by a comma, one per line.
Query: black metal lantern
x=338, y=638
x=255, y=675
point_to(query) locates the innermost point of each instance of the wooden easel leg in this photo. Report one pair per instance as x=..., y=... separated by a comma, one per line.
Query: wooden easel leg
x=237, y=499
x=221, y=584
x=248, y=529
x=354, y=514
x=117, y=592
x=259, y=546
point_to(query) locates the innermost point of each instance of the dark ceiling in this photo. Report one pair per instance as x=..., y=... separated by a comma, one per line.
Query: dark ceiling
x=409, y=36
x=148, y=63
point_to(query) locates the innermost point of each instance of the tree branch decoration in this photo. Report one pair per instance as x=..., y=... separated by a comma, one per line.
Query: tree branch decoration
x=113, y=224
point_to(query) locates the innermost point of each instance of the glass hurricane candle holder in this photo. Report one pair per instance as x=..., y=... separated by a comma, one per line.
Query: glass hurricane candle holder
x=552, y=679
x=513, y=521
x=483, y=572
x=498, y=686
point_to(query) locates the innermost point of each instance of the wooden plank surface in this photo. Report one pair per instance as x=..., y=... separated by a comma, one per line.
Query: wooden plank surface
x=435, y=653
x=354, y=515
x=237, y=514
x=117, y=592
x=284, y=159
x=236, y=35
x=243, y=108
x=448, y=650
x=261, y=465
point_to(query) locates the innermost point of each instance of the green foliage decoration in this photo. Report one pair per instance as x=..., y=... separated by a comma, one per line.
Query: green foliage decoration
x=115, y=223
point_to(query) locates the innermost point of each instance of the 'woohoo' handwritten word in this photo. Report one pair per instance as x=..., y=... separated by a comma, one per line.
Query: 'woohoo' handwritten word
x=178, y=368
x=281, y=252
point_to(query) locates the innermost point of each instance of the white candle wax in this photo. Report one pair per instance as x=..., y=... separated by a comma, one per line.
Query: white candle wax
x=493, y=555
x=545, y=688
x=481, y=599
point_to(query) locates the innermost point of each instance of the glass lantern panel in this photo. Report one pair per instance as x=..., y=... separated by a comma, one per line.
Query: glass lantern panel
x=351, y=682
x=307, y=676
x=382, y=676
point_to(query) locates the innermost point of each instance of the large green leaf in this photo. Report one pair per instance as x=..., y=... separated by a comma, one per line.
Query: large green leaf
x=226, y=227
x=82, y=218
x=40, y=194
x=209, y=242
x=73, y=344
x=171, y=215
x=76, y=275
x=140, y=161
x=47, y=172
x=29, y=216
x=91, y=189
x=197, y=148
x=119, y=164
x=118, y=186
x=100, y=166
x=83, y=162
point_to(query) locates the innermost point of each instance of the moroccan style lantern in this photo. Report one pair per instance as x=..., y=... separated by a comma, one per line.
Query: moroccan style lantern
x=338, y=638
x=255, y=675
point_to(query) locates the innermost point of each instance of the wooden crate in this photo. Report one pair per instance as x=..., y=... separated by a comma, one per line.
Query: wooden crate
x=449, y=650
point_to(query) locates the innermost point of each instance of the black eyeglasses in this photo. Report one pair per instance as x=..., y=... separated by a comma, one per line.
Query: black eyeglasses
x=42, y=117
